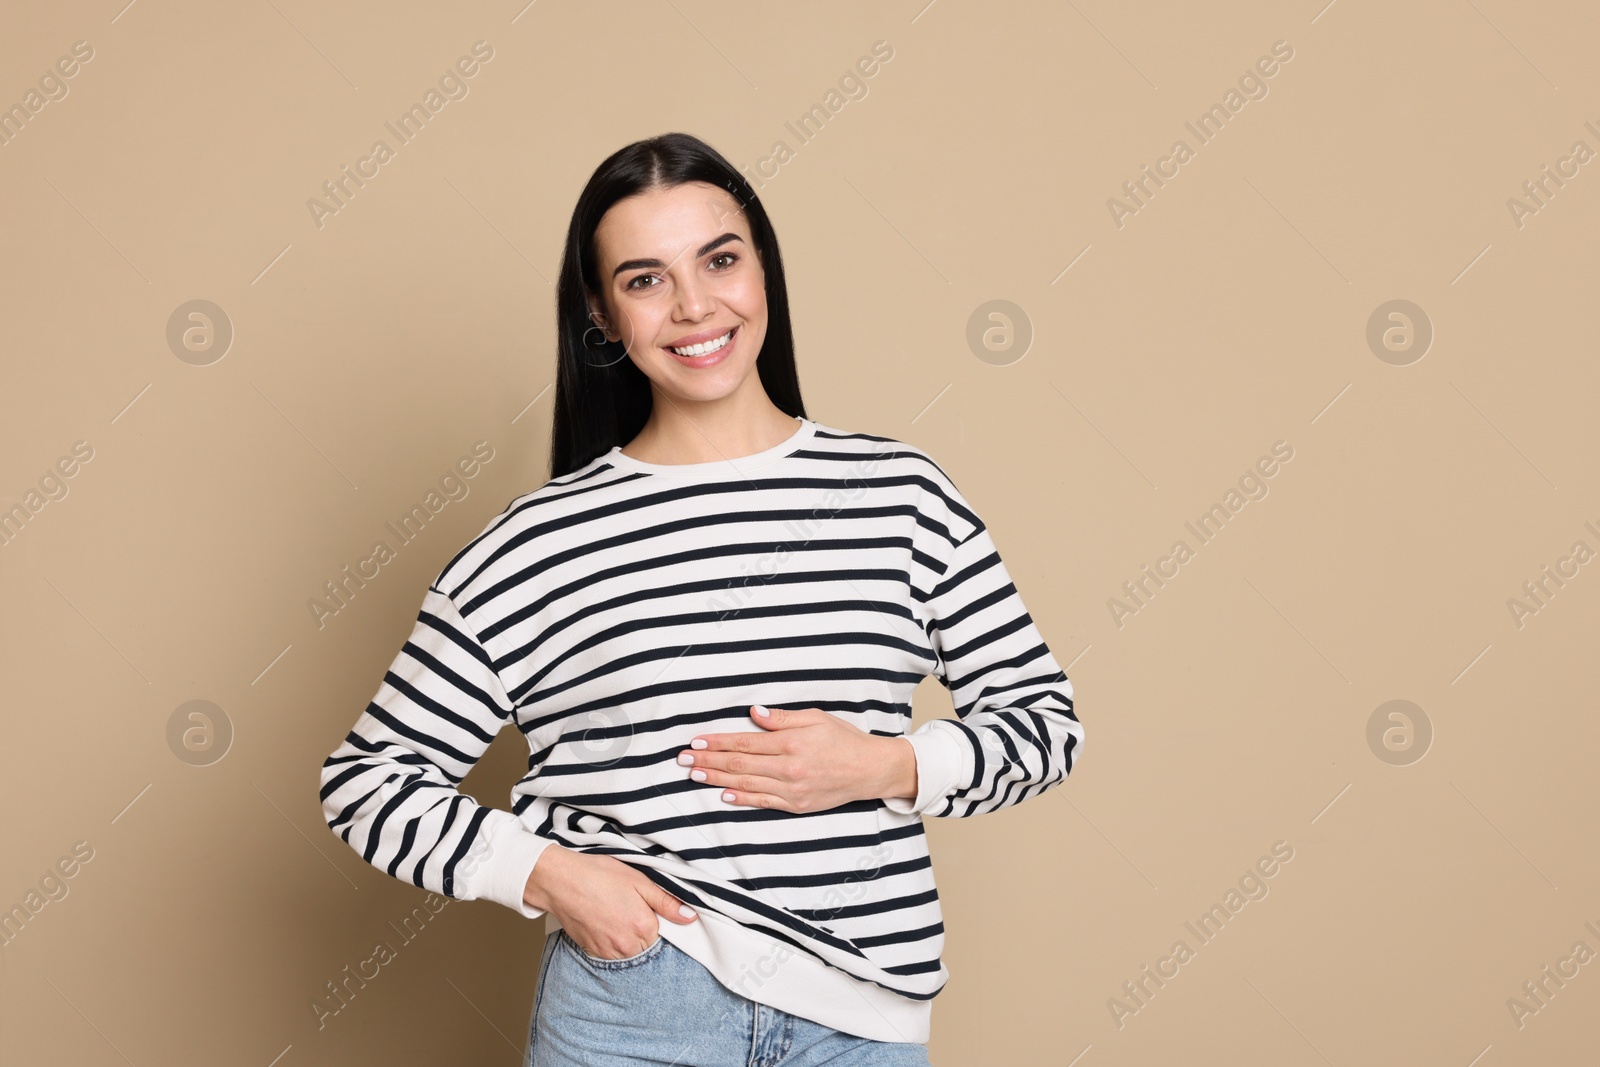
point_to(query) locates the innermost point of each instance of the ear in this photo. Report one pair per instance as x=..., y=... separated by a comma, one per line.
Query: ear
x=597, y=316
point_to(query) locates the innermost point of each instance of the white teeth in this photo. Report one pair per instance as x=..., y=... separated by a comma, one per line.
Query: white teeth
x=703, y=349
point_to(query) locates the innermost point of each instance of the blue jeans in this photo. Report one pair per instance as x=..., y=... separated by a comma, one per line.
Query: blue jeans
x=663, y=1007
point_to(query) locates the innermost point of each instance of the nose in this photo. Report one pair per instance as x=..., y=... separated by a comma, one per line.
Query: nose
x=694, y=302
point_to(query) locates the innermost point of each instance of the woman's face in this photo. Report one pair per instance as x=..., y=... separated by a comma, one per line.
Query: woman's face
x=679, y=269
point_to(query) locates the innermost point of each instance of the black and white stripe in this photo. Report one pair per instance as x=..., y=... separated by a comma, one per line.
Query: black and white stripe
x=616, y=612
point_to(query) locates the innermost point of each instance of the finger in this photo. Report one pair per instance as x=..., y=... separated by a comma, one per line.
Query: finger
x=747, y=799
x=664, y=903
x=743, y=782
x=770, y=766
x=779, y=718
x=741, y=742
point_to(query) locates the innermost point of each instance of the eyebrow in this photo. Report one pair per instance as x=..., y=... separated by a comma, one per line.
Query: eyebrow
x=710, y=246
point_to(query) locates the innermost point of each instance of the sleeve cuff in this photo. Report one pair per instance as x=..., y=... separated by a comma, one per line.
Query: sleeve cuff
x=513, y=850
x=944, y=763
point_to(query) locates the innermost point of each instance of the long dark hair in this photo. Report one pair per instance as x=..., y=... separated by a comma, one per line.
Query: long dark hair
x=602, y=398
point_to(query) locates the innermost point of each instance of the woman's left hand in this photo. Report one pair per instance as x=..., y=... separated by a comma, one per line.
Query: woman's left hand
x=805, y=760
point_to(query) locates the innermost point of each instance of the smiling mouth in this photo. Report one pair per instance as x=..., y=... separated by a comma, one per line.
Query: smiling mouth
x=705, y=349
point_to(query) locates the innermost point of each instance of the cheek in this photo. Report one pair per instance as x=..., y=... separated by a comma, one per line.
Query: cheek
x=642, y=327
x=748, y=298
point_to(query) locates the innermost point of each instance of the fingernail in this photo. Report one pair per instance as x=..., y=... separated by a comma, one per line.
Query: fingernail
x=697, y=743
x=698, y=776
x=728, y=797
x=686, y=911
x=761, y=711
x=686, y=759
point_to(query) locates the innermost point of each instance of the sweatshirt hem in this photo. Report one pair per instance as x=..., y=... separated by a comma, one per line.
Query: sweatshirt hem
x=798, y=983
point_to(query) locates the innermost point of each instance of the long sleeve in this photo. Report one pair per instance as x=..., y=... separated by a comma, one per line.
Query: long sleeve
x=389, y=790
x=1016, y=734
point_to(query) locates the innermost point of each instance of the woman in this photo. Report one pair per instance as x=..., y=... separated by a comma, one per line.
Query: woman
x=724, y=884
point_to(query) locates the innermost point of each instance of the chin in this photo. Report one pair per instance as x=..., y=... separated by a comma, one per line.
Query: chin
x=686, y=385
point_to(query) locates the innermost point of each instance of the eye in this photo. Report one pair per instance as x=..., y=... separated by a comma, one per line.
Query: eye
x=633, y=283
x=725, y=255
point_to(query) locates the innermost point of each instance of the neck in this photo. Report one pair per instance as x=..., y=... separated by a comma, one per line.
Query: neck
x=688, y=432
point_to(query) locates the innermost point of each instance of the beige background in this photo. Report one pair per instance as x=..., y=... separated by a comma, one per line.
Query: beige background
x=1228, y=313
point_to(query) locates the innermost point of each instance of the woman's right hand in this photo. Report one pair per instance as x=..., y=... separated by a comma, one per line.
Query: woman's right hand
x=608, y=907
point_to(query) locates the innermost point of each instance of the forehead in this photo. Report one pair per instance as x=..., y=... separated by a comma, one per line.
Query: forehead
x=662, y=223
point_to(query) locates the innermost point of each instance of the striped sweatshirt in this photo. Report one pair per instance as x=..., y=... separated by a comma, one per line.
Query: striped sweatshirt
x=618, y=611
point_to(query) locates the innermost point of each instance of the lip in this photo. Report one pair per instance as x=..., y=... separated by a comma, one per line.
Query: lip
x=710, y=358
